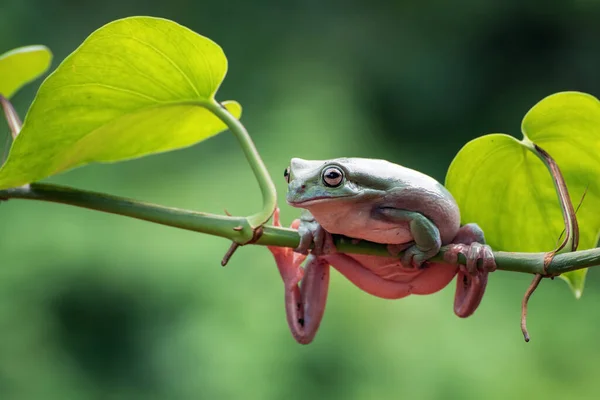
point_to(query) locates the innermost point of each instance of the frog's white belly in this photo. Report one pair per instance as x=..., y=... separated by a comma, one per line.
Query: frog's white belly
x=429, y=279
x=358, y=222
x=389, y=268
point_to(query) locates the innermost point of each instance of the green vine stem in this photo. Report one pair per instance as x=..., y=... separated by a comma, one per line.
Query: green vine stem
x=228, y=227
x=267, y=187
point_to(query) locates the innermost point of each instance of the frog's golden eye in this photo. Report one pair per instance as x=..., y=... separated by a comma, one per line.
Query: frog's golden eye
x=286, y=174
x=333, y=176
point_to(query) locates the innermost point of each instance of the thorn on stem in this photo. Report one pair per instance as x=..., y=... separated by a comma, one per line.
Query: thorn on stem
x=234, y=246
x=534, y=284
x=227, y=212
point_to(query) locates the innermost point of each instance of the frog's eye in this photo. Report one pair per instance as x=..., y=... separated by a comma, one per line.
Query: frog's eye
x=333, y=176
x=286, y=174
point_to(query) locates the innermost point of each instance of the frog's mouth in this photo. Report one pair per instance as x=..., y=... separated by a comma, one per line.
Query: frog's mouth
x=315, y=200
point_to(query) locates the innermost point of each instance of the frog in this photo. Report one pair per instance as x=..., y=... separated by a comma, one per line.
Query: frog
x=377, y=201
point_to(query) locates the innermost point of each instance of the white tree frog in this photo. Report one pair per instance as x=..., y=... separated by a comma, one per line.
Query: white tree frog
x=382, y=202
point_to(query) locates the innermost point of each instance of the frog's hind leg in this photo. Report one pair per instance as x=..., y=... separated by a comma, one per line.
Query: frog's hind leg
x=305, y=288
x=305, y=304
x=471, y=280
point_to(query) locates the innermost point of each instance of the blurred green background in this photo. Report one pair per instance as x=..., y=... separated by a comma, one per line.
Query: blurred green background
x=96, y=306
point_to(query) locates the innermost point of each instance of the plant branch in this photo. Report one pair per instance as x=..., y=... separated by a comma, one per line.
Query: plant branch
x=267, y=187
x=229, y=227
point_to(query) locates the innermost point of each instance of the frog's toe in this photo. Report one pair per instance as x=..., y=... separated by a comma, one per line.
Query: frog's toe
x=479, y=257
x=306, y=240
x=395, y=249
x=313, y=235
x=328, y=244
x=323, y=242
x=318, y=240
x=414, y=257
x=481, y=252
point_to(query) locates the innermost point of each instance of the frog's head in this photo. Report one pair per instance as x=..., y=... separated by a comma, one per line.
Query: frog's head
x=314, y=182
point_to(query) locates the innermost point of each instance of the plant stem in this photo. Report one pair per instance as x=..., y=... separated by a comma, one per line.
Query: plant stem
x=226, y=227
x=571, y=240
x=267, y=187
x=185, y=219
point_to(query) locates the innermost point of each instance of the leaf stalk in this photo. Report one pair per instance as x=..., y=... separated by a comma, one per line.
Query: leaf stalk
x=267, y=187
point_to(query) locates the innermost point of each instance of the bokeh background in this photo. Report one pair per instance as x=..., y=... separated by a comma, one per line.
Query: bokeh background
x=96, y=306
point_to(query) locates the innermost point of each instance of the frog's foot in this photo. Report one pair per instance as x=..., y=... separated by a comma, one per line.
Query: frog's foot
x=305, y=303
x=305, y=288
x=472, y=277
x=415, y=257
x=395, y=249
x=412, y=257
x=470, y=243
x=479, y=257
x=311, y=232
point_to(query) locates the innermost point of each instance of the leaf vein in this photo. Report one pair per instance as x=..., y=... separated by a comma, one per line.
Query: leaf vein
x=159, y=52
x=130, y=65
x=115, y=88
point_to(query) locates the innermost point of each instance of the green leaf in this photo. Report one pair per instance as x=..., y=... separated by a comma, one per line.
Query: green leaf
x=135, y=87
x=21, y=66
x=500, y=184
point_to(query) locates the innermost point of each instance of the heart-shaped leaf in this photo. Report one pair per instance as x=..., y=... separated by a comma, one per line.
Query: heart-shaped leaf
x=22, y=65
x=502, y=185
x=135, y=87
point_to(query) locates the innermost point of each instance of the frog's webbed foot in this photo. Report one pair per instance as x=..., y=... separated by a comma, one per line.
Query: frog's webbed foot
x=415, y=257
x=470, y=242
x=479, y=257
x=305, y=288
x=426, y=236
x=311, y=232
x=395, y=249
x=472, y=276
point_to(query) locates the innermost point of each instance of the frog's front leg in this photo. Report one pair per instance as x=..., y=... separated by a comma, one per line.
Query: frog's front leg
x=312, y=234
x=471, y=279
x=426, y=236
x=305, y=289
